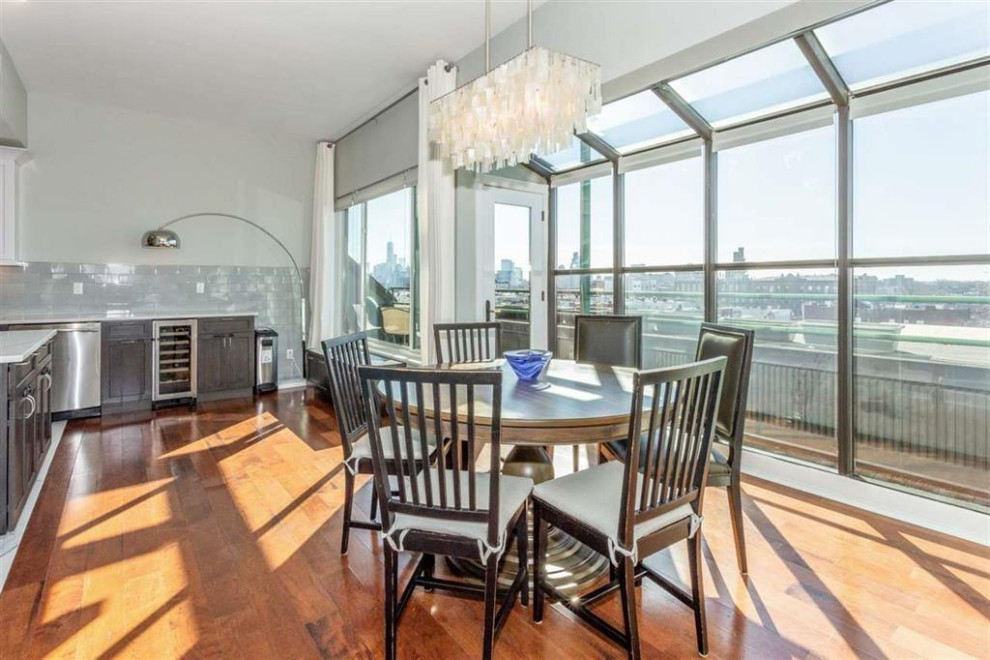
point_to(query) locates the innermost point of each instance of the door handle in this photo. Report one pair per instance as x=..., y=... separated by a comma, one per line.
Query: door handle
x=488, y=311
x=34, y=405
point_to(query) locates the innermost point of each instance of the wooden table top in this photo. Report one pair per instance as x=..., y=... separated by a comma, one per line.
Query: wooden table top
x=584, y=403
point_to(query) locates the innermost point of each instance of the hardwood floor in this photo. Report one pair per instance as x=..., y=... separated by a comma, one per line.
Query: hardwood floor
x=216, y=533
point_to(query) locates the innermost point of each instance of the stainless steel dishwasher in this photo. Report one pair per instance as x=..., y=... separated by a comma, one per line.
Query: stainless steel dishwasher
x=75, y=368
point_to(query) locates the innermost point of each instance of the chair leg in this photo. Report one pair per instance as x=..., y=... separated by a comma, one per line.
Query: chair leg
x=577, y=458
x=736, y=514
x=429, y=566
x=539, y=561
x=391, y=595
x=348, y=503
x=374, y=502
x=627, y=572
x=491, y=589
x=522, y=545
x=698, y=593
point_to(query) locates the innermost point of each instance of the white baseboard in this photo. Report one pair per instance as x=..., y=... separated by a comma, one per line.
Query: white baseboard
x=899, y=505
x=11, y=541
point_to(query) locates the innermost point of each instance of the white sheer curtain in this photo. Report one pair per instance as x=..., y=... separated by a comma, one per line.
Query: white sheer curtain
x=436, y=218
x=323, y=261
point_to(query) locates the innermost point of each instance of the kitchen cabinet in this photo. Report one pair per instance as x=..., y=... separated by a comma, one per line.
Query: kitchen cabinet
x=25, y=429
x=126, y=366
x=225, y=362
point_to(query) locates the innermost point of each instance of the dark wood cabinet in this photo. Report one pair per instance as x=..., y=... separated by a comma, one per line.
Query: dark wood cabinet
x=25, y=430
x=225, y=362
x=126, y=365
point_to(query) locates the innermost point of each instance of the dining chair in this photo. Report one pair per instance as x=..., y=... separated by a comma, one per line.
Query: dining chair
x=736, y=345
x=344, y=355
x=628, y=514
x=450, y=508
x=612, y=340
x=467, y=342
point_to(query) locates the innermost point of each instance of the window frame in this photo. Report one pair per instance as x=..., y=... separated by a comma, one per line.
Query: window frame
x=843, y=104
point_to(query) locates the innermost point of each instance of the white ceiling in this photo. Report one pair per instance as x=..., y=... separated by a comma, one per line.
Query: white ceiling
x=308, y=70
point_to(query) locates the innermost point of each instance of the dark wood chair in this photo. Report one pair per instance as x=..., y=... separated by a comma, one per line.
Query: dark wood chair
x=736, y=345
x=612, y=340
x=343, y=356
x=628, y=514
x=467, y=342
x=450, y=508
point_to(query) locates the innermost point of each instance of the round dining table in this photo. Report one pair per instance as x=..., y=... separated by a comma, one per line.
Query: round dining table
x=572, y=404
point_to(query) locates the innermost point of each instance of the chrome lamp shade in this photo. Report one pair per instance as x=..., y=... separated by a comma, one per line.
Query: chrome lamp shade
x=160, y=239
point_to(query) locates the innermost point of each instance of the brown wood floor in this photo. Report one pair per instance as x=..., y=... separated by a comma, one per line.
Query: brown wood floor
x=217, y=534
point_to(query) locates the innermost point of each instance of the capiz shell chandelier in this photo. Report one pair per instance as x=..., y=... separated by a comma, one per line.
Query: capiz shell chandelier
x=534, y=103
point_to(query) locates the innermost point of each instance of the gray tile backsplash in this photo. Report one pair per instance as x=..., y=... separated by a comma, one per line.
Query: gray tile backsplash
x=45, y=290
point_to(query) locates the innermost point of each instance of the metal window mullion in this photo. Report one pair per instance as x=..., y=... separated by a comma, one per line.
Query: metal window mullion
x=845, y=421
x=823, y=67
x=551, y=268
x=776, y=265
x=932, y=260
x=618, y=239
x=710, y=230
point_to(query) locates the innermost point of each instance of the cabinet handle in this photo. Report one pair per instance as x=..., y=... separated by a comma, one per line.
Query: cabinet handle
x=34, y=406
x=48, y=380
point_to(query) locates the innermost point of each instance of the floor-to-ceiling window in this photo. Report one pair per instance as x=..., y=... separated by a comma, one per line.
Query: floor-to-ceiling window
x=664, y=255
x=583, y=256
x=921, y=388
x=829, y=191
x=379, y=274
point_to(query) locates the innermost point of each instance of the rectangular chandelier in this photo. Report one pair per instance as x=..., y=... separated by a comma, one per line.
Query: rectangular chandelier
x=534, y=103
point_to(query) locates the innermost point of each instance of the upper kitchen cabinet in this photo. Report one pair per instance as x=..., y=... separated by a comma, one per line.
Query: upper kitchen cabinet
x=13, y=103
x=10, y=157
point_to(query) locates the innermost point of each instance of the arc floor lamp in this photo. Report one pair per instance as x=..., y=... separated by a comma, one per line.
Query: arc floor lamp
x=163, y=238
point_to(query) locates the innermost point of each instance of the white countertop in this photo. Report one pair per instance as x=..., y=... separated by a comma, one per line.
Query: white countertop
x=120, y=316
x=18, y=345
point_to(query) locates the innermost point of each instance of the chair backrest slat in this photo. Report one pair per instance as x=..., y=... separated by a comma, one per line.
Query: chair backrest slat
x=427, y=402
x=467, y=342
x=670, y=453
x=344, y=356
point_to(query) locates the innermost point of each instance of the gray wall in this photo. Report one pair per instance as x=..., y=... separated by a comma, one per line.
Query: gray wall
x=98, y=177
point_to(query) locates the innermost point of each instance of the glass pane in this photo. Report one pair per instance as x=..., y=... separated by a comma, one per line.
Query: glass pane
x=665, y=214
x=901, y=38
x=638, y=121
x=922, y=180
x=672, y=306
x=922, y=378
x=792, y=392
x=512, y=274
x=577, y=154
x=389, y=245
x=584, y=224
x=579, y=294
x=353, y=309
x=776, y=199
x=768, y=80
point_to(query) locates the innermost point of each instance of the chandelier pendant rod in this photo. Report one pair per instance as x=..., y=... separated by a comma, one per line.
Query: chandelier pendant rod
x=488, y=35
x=529, y=24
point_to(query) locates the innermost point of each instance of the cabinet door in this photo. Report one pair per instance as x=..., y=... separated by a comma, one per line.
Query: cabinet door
x=211, y=351
x=19, y=454
x=239, y=361
x=127, y=366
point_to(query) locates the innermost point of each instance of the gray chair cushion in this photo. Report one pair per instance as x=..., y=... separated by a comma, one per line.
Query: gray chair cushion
x=594, y=496
x=613, y=340
x=513, y=492
x=733, y=347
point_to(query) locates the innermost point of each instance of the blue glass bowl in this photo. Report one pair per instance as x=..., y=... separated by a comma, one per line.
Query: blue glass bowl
x=528, y=365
